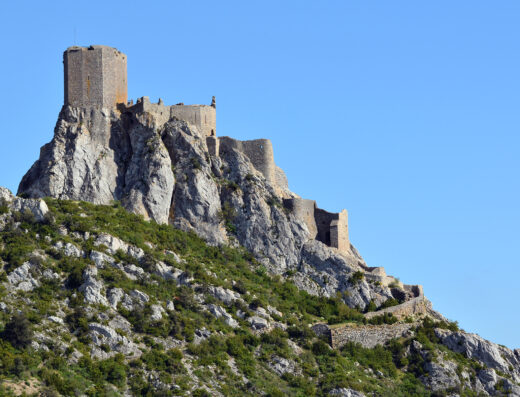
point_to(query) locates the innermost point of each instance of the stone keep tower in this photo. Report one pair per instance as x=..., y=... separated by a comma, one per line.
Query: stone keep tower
x=94, y=76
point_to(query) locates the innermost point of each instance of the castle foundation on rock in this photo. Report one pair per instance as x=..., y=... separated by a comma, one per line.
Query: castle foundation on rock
x=96, y=77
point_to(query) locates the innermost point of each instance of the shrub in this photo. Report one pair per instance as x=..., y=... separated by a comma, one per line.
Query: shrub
x=356, y=278
x=18, y=331
x=227, y=215
x=389, y=303
x=195, y=163
x=371, y=307
x=385, y=318
x=24, y=217
x=4, y=208
x=320, y=348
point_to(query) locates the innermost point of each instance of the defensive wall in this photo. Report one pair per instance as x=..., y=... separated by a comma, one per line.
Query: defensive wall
x=94, y=76
x=203, y=117
x=258, y=151
x=368, y=336
x=97, y=76
x=327, y=227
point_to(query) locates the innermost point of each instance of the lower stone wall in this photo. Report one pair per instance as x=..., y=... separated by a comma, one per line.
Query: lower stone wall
x=367, y=335
x=413, y=307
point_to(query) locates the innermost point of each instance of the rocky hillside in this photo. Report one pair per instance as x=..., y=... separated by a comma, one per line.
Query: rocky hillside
x=136, y=260
x=164, y=172
x=97, y=301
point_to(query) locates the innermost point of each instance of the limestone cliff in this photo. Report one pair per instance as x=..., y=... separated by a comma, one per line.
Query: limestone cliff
x=165, y=171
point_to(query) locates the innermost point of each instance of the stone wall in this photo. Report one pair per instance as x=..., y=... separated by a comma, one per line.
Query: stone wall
x=332, y=229
x=258, y=151
x=367, y=335
x=339, y=232
x=203, y=117
x=304, y=210
x=94, y=76
x=413, y=307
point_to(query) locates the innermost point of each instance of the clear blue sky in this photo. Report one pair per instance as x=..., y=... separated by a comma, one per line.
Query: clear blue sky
x=405, y=113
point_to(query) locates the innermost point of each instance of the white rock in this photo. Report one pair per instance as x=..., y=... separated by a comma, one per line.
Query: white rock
x=157, y=312
x=115, y=244
x=101, y=259
x=220, y=312
x=258, y=323
x=72, y=250
x=57, y=320
x=92, y=288
x=274, y=311
x=134, y=272
x=114, y=296
x=50, y=275
x=22, y=279
x=225, y=295
x=170, y=306
x=139, y=296
x=343, y=392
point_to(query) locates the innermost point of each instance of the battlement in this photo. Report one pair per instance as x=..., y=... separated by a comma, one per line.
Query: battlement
x=94, y=76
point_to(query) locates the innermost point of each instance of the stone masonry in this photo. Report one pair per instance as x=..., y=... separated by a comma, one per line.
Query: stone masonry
x=327, y=227
x=94, y=76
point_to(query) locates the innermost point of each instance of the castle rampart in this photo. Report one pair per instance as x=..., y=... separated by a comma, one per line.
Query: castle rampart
x=94, y=76
x=258, y=151
x=203, y=117
x=329, y=228
x=332, y=229
x=304, y=209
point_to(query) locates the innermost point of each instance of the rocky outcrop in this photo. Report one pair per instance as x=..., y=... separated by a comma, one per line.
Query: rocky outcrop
x=490, y=354
x=367, y=335
x=165, y=172
x=99, y=155
x=37, y=208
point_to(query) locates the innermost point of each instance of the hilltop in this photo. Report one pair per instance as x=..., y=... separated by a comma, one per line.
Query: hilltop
x=145, y=255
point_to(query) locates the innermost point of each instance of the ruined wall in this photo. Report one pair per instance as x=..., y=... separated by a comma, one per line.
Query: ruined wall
x=413, y=307
x=213, y=145
x=339, y=232
x=202, y=116
x=94, y=76
x=304, y=209
x=332, y=229
x=367, y=335
x=258, y=151
x=160, y=112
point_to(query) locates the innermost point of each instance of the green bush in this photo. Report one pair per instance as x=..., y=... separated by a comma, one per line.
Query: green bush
x=356, y=278
x=320, y=348
x=4, y=208
x=18, y=331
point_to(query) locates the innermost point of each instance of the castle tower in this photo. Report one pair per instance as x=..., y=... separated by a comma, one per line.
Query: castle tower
x=94, y=76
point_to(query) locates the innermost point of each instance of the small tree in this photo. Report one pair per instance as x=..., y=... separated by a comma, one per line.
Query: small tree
x=18, y=331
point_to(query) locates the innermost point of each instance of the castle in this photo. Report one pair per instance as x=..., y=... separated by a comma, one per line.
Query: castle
x=96, y=76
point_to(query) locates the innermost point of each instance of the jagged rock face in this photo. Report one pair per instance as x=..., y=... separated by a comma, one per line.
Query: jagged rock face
x=98, y=155
x=492, y=355
x=164, y=172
